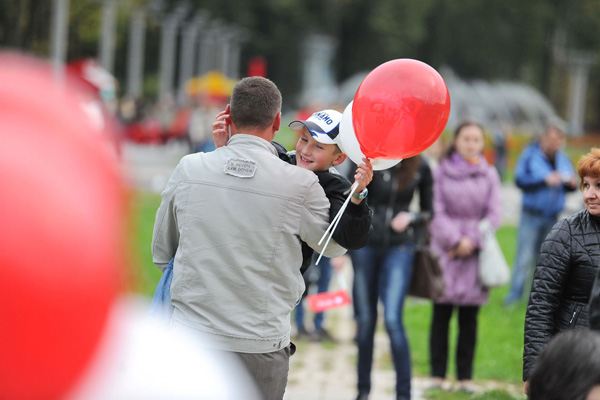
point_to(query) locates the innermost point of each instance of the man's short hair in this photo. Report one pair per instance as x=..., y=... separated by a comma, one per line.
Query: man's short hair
x=568, y=367
x=255, y=102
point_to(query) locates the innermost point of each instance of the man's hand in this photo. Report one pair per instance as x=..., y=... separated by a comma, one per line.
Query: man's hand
x=220, y=128
x=553, y=179
x=526, y=387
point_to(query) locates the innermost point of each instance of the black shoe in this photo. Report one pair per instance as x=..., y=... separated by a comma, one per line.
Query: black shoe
x=303, y=334
x=363, y=396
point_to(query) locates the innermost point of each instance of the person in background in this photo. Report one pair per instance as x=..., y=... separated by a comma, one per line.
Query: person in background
x=568, y=368
x=234, y=219
x=202, y=116
x=499, y=140
x=383, y=268
x=568, y=261
x=319, y=275
x=544, y=173
x=466, y=190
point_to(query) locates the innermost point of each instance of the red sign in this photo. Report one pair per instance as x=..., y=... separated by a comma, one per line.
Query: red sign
x=327, y=300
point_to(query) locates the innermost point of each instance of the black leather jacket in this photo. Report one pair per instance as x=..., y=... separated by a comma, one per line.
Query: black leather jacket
x=386, y=201
x=566, y=268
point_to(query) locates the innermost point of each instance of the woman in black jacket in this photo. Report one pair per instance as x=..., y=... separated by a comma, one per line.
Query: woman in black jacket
x=383, y=268
x=566, y=267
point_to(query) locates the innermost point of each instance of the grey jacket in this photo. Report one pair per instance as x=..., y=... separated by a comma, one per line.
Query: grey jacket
x=234, y=219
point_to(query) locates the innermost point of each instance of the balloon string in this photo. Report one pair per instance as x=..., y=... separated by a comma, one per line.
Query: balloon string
x=335, y=222
x=339, y=214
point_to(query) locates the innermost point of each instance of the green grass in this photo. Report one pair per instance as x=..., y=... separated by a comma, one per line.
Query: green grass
x=499, y=352
x=143, y=275
x=500, y=333
x=456, y=395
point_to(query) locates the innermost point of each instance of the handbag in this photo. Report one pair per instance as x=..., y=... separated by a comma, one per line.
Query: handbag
x=427, y=278
x=493, y=269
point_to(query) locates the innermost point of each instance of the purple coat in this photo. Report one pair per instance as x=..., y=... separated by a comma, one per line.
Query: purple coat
x=464, y=194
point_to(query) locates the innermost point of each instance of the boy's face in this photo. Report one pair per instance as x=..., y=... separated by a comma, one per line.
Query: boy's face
x=316, y=156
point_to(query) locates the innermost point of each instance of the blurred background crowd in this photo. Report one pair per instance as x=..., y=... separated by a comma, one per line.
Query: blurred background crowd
x=160, y=65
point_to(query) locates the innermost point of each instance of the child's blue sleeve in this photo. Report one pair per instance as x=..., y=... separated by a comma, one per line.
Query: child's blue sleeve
x=161, y=302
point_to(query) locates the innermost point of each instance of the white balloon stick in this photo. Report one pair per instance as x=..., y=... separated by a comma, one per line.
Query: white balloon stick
x=335, y=222
x=339, y=214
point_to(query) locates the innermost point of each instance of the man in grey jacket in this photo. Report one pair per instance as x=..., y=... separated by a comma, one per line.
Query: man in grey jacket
x=234, y=219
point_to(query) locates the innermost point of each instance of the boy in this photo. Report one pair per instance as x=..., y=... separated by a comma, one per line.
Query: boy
x=318, y=151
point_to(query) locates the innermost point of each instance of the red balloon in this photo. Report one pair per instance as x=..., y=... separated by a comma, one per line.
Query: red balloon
x=400, y=109
x=61, y=210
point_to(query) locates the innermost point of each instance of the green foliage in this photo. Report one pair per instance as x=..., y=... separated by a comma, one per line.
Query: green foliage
x=493, y=39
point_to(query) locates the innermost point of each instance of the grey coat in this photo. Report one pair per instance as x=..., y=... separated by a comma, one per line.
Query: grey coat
x=463, y=195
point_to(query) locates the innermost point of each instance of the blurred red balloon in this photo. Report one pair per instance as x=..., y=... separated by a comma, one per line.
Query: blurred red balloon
x=61, y=209
x=400, y=109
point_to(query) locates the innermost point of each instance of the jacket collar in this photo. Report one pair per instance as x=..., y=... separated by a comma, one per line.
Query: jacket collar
x=251, y=141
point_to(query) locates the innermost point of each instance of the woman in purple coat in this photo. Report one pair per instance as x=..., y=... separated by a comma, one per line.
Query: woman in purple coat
x=466, y=190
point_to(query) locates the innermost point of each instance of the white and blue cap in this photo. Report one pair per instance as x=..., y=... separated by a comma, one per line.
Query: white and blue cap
x=324, y=125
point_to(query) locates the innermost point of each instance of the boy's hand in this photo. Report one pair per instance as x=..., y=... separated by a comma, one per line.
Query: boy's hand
x=220, y=128
x=363, y=176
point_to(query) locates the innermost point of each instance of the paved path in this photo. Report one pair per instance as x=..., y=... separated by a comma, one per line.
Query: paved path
x=326, y=371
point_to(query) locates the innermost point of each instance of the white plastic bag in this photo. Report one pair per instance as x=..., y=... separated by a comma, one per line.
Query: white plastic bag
x=493, y=269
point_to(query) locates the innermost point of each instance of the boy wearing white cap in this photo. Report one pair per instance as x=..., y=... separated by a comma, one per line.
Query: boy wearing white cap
x=318, y=151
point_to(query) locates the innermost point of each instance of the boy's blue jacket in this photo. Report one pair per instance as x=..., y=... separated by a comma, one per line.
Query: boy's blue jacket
x=530, y=173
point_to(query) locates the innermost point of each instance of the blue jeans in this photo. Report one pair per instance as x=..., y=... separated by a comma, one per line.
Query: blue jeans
x=325, y=273
x=382, y=273
x=533, y=229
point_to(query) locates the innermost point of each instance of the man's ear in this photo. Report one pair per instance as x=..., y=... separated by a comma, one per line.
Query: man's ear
x=340, y=158
x=277, y=122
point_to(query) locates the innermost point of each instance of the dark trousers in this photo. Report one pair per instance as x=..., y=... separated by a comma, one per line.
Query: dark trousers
x=467, y=338
x=269, y=370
